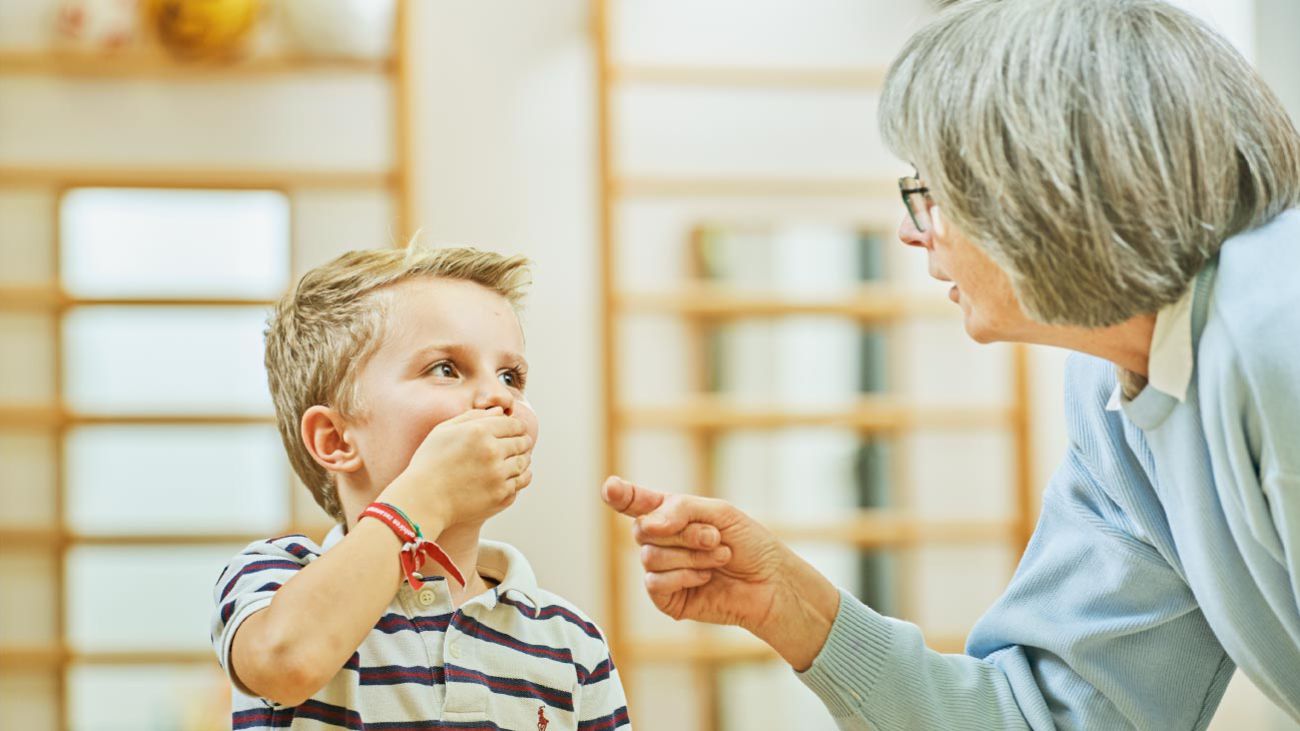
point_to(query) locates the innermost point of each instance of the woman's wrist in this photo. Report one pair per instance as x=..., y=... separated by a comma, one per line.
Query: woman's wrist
x=803, y=611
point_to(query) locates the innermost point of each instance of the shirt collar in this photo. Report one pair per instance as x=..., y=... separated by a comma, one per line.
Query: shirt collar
x=500, y=562
x=1170, y=364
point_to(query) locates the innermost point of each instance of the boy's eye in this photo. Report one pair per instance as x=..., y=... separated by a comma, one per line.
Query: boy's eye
x=444, y=369
x=511, y=379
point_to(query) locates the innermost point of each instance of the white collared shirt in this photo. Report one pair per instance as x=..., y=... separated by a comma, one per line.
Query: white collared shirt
x=1170, y=364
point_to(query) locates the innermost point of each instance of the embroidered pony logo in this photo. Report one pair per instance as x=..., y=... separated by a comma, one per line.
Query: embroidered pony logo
x=542, y=721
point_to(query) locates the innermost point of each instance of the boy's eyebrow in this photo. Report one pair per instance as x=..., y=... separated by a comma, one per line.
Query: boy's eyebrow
x=458, y=349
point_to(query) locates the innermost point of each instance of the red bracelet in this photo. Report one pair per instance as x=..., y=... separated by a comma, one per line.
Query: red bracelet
x=415, y=549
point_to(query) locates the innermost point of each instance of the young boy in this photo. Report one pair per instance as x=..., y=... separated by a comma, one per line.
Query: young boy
x=398, y=378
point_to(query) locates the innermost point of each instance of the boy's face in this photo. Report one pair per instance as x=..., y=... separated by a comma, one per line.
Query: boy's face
x=448, y=346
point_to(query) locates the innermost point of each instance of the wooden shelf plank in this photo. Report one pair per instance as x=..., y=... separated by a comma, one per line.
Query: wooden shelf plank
x=52, y=297
x=648, y=185
x=54, y=537
x=52, y=417
x=869, y=304
x=865, y=78
x=706, y=412
x=54, y=657
x=193, y=177
x=729, y=652
x=146, y=64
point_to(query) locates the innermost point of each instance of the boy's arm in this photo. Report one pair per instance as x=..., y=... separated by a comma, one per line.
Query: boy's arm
x=602, y=705
x=468, y=467
x=290, y=649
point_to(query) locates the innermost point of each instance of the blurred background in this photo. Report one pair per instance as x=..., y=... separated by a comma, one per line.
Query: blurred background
x=720, y=307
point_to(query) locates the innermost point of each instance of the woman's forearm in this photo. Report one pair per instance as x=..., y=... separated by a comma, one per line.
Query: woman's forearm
x=803, y=610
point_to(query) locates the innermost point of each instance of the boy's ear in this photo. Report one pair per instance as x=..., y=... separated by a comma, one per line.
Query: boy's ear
x=324, y=434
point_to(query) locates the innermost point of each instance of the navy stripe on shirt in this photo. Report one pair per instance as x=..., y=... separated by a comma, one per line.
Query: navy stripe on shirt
x=555, y=610
x=516, y=687
x=617, y=719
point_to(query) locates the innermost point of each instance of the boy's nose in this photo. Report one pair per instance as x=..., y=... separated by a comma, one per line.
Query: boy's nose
x=495, y=395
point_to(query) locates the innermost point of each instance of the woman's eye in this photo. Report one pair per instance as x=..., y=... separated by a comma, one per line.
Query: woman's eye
x=444, y=369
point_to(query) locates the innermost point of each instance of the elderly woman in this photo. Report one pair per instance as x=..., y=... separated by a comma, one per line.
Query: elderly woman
x=1111, y=177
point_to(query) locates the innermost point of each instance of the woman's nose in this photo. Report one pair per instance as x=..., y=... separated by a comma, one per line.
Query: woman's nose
x=908, y=234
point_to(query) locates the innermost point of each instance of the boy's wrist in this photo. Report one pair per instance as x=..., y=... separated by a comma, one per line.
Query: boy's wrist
x=430, y=518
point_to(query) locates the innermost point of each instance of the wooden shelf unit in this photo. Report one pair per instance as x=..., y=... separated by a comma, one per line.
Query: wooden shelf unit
x=58, y=418
x=705, y=417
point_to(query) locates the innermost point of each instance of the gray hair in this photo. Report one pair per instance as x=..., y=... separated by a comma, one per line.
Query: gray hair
x=1100, y=151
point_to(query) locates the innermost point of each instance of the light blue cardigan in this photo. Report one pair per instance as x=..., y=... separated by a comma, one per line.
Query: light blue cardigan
x=1167, y=553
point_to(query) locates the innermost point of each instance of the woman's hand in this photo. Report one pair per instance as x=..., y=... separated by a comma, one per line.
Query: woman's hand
x=706, y=560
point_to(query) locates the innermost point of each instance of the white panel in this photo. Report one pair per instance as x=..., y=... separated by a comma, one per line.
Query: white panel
x=960, y=475
x=331, y=222
x=941, y=366
x=179, y=243
x=714, y=133
x=765, y=32
x=26, y=237
x=27, y=486
x=191, y=479
x=769, y=696
x=653, y=353
x=286, y=121
x=147, y=697
x=955, y=585
x=177, y=360
x=145, y=598
x=27, y=365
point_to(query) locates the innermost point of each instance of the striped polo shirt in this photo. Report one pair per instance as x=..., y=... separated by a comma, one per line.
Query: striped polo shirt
x=515, y=657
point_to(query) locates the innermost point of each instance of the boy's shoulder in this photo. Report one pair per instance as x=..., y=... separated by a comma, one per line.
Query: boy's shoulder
x=543, y=611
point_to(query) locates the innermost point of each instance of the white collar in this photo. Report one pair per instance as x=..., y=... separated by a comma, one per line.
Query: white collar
x=1170, y=364
x=500, y=562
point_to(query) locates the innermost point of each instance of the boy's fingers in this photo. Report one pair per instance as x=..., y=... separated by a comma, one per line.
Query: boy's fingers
x=629, y=499
x=473, y=414
x=663, y=583
x=501, y=426
x=517, y=445
x=698, y=536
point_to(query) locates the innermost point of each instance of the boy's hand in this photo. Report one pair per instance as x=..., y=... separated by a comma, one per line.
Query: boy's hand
x=469, y=467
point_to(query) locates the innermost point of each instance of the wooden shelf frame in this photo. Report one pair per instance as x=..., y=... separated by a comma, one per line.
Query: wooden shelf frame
x=57, y=418
x=157, y=64
x=705, y=417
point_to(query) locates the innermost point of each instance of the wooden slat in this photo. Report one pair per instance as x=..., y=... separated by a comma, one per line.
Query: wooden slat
x=194, y=177
x=870, y=414
x=718, y=651
x=54, y=537
x=52, y=417
x=157, y=65
x=638, y=185
x=51, y=297
x=53, y=657
x=876, y=529
x=869, y=79
x=869, y=304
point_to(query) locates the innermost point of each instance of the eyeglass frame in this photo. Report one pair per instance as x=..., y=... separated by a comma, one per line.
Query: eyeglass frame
x=909, y=186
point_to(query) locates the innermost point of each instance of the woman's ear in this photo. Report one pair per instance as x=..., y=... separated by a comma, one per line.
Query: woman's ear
x=324, y=433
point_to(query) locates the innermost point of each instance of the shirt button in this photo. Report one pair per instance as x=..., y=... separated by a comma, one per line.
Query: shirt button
x=454, y=650
x=426, y=598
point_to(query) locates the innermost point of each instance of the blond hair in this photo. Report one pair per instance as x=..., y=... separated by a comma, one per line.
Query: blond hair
x=323, y=331
x=1100, y=151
